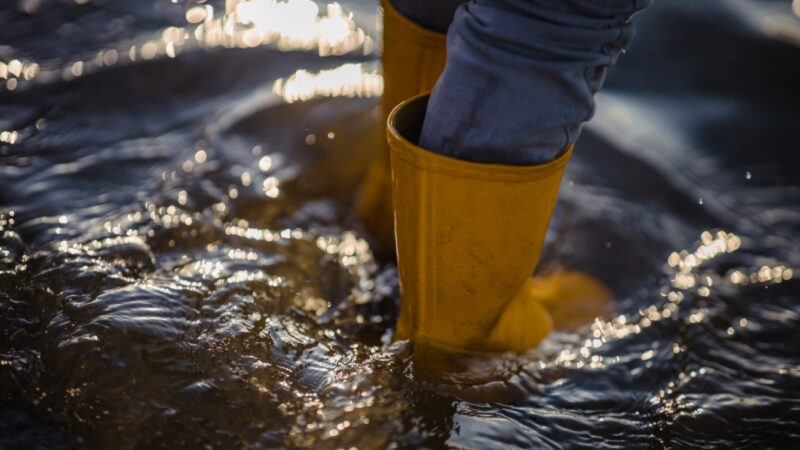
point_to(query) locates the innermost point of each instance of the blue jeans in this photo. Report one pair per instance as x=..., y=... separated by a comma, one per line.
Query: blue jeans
x=520, y=75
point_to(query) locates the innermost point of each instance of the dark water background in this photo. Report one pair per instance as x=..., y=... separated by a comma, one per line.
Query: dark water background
x=179, y=265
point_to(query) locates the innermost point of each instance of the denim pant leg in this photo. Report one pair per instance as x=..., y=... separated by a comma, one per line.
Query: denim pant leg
x=521, y=75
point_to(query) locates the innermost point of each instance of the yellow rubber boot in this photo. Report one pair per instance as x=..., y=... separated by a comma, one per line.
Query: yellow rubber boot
x=468, y=239
x=413, y=59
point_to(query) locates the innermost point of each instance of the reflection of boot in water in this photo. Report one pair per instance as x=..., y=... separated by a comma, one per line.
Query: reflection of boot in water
x=413, y=59
x=572, y=298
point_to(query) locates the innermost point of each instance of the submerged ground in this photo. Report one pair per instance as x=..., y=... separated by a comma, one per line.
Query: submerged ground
x=179, y=265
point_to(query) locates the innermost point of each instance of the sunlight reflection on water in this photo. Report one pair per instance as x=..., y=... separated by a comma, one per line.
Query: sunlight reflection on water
x=288, y=25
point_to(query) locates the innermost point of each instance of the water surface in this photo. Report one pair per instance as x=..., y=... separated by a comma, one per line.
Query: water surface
x=180, y=266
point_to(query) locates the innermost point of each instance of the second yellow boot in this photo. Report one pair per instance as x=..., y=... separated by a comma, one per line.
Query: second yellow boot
x=413, y=58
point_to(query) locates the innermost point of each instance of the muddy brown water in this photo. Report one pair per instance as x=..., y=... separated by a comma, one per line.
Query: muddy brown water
x=180, y=267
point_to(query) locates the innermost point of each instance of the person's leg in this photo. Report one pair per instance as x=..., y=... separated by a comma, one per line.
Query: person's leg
x=473, y=197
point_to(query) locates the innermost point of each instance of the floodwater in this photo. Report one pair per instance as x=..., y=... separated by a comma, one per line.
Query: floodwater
x=180, y=266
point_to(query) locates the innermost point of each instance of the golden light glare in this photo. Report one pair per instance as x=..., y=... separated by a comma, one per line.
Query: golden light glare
x=287, y=25
x=348, y=80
